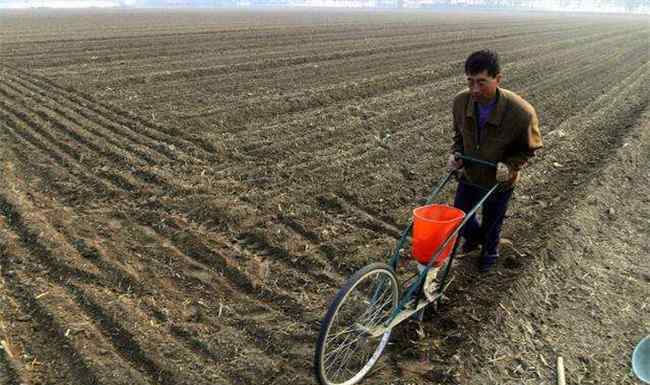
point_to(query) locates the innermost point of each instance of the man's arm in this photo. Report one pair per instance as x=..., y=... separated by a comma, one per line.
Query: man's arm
x=529, y=141
x=457, y=146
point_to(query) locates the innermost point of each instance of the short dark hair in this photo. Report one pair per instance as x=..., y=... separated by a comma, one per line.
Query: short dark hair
x=482, y=60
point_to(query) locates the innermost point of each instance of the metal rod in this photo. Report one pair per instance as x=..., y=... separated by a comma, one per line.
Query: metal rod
x=477, y=161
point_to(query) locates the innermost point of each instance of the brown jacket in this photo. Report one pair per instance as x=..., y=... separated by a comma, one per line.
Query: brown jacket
x=510, y=135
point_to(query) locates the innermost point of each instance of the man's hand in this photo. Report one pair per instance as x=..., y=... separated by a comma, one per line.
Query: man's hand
x=503, y=172
x=453, y=163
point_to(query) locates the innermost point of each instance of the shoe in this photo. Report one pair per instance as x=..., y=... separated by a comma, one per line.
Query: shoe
x=486, y=262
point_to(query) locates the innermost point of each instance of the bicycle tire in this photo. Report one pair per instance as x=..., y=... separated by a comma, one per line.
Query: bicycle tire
x=385, y=291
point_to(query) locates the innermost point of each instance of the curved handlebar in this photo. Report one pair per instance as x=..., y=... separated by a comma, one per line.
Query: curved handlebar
x=477, y=161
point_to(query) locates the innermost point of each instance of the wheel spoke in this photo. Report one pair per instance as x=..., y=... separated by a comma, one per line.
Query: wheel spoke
x=341, y=333
x=386, y=293
x=347, y=355
x=340, y=358
x=375, y=315
x=344, y=345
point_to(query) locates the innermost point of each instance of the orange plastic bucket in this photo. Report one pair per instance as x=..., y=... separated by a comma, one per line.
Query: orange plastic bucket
x=432, y=224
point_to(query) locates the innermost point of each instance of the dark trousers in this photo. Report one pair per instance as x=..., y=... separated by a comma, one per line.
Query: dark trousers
x=493, y=212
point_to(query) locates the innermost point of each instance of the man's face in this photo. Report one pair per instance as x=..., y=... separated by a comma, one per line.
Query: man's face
x=482, y=86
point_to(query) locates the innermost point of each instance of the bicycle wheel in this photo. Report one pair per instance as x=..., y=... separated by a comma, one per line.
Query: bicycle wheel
x=345, y=350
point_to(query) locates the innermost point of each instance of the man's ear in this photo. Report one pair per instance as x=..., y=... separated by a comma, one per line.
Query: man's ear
x=498, y=78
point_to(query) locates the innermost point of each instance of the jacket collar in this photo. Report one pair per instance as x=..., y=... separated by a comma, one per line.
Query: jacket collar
x=499, y=110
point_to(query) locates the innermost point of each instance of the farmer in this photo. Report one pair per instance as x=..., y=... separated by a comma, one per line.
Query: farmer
x=496, y=125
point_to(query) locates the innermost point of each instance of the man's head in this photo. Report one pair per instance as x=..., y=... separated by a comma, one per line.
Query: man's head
x=483, y=75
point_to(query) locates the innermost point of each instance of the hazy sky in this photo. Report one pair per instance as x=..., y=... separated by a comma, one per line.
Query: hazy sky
x=59, y=4
x=587, y=5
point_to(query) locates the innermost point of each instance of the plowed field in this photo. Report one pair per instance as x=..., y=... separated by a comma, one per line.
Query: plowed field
x=183, y=192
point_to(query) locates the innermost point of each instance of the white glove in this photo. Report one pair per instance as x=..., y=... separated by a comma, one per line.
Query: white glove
x=503, y=172
x=453, y=163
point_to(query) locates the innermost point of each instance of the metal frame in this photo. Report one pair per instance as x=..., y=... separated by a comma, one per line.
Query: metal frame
x=411, y=293
x=409, y=300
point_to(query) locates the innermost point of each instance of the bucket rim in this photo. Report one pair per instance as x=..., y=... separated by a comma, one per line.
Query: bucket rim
x=637, y=349
x=456, y=209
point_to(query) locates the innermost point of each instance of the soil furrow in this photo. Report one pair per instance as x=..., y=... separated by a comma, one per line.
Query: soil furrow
x=42, y=118
x=102, y=187
x=310, y=36
x=364, y=216
x=386, y=119
x=121, y=338
x=125, y=159
x=630, y=64
x=382, y=192
x=317, y=135
x=32, y=131
x=97, y=125
x=309, y=40
x=30, y=238
x=237, y=225
x=585, y=91
x=127, y=285
x=257, y=243
x=53, y=311
x=554, y=107
x=52, y=341
x=232, y=308
x=260, y=107
x=283, y=61
x=67, y=184
x=195, y=248
x=185, y=192
x=434, y=47
x=170, y=69
x=50, y=107
x=152, y=133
